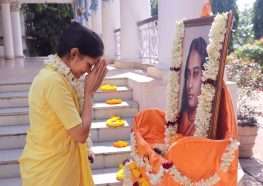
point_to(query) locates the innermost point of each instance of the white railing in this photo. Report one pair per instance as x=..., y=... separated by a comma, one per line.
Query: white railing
x=117, y=33
x=148, y=36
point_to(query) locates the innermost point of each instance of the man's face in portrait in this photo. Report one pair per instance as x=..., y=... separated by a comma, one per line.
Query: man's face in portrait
x=193, y=79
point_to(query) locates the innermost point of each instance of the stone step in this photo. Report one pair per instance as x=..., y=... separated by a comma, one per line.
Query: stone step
x=101, y=110
x=101, y=177
x=13, y=136
x=25, y=86
x=128, y=108
x=20, y=99
x=107, y=156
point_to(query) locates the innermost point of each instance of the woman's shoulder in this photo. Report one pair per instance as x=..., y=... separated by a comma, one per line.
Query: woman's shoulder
x=50, y=76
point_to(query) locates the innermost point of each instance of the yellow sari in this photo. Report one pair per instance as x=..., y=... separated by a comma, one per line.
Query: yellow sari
x=51, y=156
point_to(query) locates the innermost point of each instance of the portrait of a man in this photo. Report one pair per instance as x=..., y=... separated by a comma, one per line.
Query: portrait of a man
x=192, y=85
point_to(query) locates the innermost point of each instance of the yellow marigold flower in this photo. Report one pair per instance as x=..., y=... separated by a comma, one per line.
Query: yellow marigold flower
x=108, y=87
x=117, y=123
x=113, y=101
x=120, y=175
x=142, y=180
x=121, y=165
x=120, y=144
x=132, y=165
x=145, y=183
x=136, y=173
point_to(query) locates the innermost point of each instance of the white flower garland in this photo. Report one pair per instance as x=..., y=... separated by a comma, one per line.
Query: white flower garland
x=173, y=83
x=205, y=100
x=127, y=174
x=143, y=162
x=58, y=65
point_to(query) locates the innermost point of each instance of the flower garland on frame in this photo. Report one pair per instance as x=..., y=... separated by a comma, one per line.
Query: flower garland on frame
x=55, y=62
x=169, y=168
x=172, y=115
x=205, y=100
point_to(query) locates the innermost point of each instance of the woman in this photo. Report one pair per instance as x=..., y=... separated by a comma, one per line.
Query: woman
x=60, y=120
x=192, y=85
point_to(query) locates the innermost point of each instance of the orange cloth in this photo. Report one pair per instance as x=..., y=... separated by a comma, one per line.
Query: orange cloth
x=206, y=9
x=186, y=127
x=197, y=158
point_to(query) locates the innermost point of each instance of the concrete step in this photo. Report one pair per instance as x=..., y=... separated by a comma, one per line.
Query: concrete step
x=25, y=86
x=101, y=110
x=20, y=99
x=13, y=99
x=107, y=156
x=128, y=108
x=101, y=177
x=13, y=136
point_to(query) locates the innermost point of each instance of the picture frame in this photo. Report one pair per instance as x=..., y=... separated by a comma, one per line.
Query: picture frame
x=196, y=115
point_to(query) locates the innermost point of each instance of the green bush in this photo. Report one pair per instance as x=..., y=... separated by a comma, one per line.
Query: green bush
x=251, y=52
x=246, y=73
x=44, y=24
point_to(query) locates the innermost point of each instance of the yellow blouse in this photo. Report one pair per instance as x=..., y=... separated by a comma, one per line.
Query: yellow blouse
x=51, y=157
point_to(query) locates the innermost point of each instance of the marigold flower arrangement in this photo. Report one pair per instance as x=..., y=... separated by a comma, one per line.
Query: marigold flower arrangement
x=120, y=144
x=115, y=121
x=113, y=101
x=108, y=87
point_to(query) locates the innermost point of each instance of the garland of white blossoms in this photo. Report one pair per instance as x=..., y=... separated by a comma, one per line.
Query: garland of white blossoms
x=59, y=66
x=205, y=100
x=173, y=84
x=169, y=168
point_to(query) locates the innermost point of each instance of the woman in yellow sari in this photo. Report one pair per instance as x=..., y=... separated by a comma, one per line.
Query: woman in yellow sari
x=60, y=112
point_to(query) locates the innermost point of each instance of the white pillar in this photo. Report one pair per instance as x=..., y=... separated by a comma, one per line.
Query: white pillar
x=132, y=12
x=7, y=31
x=110, y=22
x=170, y=11
x=96, y=21
x=16, y=30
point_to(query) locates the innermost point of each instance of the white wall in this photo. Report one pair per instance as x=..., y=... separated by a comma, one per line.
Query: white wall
x=170, y=11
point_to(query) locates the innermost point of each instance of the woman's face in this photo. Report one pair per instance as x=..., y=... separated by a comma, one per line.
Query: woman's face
x=80, y=64
x=193, y=79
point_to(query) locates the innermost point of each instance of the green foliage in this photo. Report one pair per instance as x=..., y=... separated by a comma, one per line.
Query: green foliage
x=154, y=7
x=252, y=52
x=245, y=72
x=248, y=76
x=244, y=32
x=44, y=24
x=258, y=19
x=219, y=6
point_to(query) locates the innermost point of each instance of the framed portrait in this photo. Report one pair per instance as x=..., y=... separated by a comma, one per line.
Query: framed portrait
x=193, y=83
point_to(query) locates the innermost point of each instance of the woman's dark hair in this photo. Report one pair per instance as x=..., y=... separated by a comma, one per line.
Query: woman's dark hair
x=78, y=36
x=199, y=45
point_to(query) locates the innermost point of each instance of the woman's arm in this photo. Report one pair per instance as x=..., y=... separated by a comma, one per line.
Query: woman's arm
x=92, y=82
